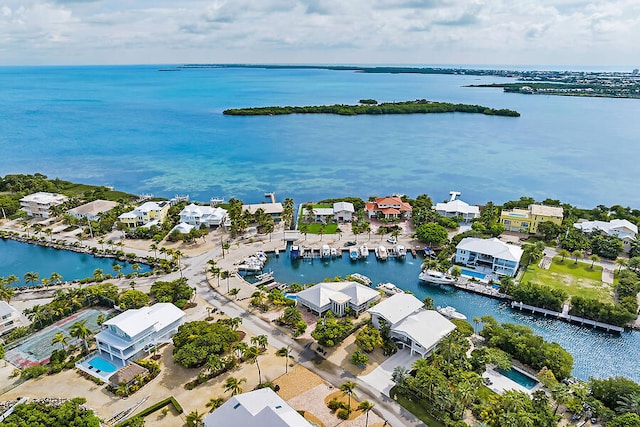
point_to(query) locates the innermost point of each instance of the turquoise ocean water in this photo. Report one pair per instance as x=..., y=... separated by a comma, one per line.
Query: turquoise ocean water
x=147, y=131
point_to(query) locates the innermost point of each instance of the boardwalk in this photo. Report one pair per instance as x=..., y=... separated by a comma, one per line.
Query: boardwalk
x=566, y=317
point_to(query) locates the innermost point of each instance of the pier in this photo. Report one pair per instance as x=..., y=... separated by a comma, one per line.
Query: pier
x=567, y=317
x=481, y=289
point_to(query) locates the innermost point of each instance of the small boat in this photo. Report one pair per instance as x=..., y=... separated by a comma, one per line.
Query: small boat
x=401, y=251
x=277, y=252
x=326, y=252
x=381, y=253
x=334, y=253
x=360, y=278
x=364, y=251
x=262, y=257
x=450, y=313
x=436, y=277
x=354, y=254
x=263, y=276
x=389, y=288
x=295, y=252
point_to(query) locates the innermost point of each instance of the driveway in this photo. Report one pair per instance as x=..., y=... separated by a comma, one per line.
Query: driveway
x=380, y=378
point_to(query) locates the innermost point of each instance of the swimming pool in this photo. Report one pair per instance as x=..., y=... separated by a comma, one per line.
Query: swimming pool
x=520, y=378
x=293, y=297
x=472, y=273
x=101, y=364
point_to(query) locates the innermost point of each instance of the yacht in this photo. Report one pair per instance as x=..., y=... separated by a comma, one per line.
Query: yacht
x=334, y=253
x=450, y=313
x=326, y=252
x=389, y=288
x=381, y=253
x=364, y=251
x=436, y=277
x=401, y=251
x=295, y=252
x=354, y=254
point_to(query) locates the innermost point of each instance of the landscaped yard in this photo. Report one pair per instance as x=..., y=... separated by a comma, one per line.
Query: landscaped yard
x=315, y=228
x=416, y=409
x=576, y=279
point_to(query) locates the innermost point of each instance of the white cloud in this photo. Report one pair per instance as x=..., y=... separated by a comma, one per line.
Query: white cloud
x=321, y=31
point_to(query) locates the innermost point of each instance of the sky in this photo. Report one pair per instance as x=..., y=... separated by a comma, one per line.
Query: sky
x=500, y=32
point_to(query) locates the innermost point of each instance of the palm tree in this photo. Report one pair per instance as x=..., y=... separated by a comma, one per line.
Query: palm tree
x=621, y=262
x=6, y=293
x=594, y=258
x=194, y=419
x=260, y=340
x=284, y=352
x=251, y=355
x=31, y=277
x=629, y=403
x=564, y=253
x=233, y=384
x=347, y=389
x=214, y=403
x=55, y=278
x=117, y=268
x=365, y=406
x=561, y=395
x=241, y=348
x=577, y=254
x=234, y=292
x=11, y=279
x=26, y=227
x=136, y=268
x=476, y=322
x=60, y=338
x=154, y=248
x=80, y=330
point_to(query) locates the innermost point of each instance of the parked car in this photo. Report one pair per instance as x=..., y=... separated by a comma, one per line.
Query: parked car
x=350, y=243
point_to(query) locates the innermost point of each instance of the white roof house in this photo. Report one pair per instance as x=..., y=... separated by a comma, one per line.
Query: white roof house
x=183, y=228
x=622, y=228
x=37, y=205
x=343, y=211
x=457, y=207
x=126, y=335
x=493, y=254
x=257, y=408
x=10, y=318
x=411, y=325
x=198, y=215
x=92, y=210
x=337, y=296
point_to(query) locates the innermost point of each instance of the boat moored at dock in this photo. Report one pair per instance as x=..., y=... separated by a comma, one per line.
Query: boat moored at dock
x=381, y=253
x=436, y=277
x=450, y=313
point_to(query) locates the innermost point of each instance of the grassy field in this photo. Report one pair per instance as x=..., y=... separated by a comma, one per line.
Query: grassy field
x=316, y=227
x=419, y=411
x=576, y=279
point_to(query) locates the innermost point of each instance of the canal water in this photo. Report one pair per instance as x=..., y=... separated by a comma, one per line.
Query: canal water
x=19, y=258
x=596, y=354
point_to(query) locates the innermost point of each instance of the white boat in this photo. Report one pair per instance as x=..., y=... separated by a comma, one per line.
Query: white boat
x=360, y=278
x=389, y=288
x=326, y=251
x=401, y=251
x=436, y=277
x=295, y=252
x=381, y=253
x=334, y=253
x=262, y=257
x=450, y=313
x=354, y=254
x=364, y=251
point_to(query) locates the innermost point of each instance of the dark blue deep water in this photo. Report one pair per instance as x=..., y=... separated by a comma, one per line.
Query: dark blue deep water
x=595, y=353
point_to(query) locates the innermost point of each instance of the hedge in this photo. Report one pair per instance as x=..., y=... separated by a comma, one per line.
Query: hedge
x=153, y=408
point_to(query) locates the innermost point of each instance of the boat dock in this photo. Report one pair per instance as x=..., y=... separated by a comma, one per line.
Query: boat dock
x=567, y=317
x=480, y=289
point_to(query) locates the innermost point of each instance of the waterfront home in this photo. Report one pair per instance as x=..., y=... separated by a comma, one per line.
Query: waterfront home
x=489, y=254
x=323, y=214
x=128, y=335
x=343, y=211
x=145, y=213
x=411, y=325
x=274, y=209
x=204, y=215
x=527, y=220
x=456, y=207
x=621, y=228
x=261, y=407
x=388, y=208
x=38, y=205
x=182, y=228
x=10, y=318
x=92, y=210
x=337, y=296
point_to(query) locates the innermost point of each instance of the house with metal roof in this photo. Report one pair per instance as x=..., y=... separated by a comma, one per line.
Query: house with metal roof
x=204, y=215
x=10, y=318
x=489, y=255
x=412, y=326
x=261, y=407
x=337, y=297
x=621, y=228
x=129, y=334
x=456, y=207
x=38, y=205
x=92, y=210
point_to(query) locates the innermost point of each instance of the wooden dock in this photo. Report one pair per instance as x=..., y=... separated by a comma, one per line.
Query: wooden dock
x=480, y=289
x=567, y=317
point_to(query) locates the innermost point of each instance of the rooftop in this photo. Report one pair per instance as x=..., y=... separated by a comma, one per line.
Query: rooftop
x=94, y=208
x=134, y=321
x=457, y=206
x=44, y=198
x=343, y=206
x=5, y=308
x=426, y=327
x=323, y=293
x=268, y=208
x=397, y=307
x=555, y=211
x=493, y=247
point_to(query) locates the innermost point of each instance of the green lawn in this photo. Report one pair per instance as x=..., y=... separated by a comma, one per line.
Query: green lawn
x=316, y=227
x=417, y=410
x=576, y=279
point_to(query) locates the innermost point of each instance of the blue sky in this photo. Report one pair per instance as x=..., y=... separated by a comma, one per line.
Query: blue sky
x=501, y=32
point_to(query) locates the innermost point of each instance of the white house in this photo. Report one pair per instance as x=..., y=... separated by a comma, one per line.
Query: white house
x=129, y=334
x=38, y=205
x=621, y=228
x=92, y=210
x=145, y=213
x=337, y=296
x=411, y=325
x=203, y=215
x=343, y=211
x=261, y=407
x=456, y=207
x=9, y=318
x=489, y=254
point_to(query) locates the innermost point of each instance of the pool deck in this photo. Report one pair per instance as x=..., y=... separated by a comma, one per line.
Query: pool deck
x=84, y=365
x=500, y=383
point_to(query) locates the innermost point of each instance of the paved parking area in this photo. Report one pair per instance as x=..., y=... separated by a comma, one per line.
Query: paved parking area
x=380, y=378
